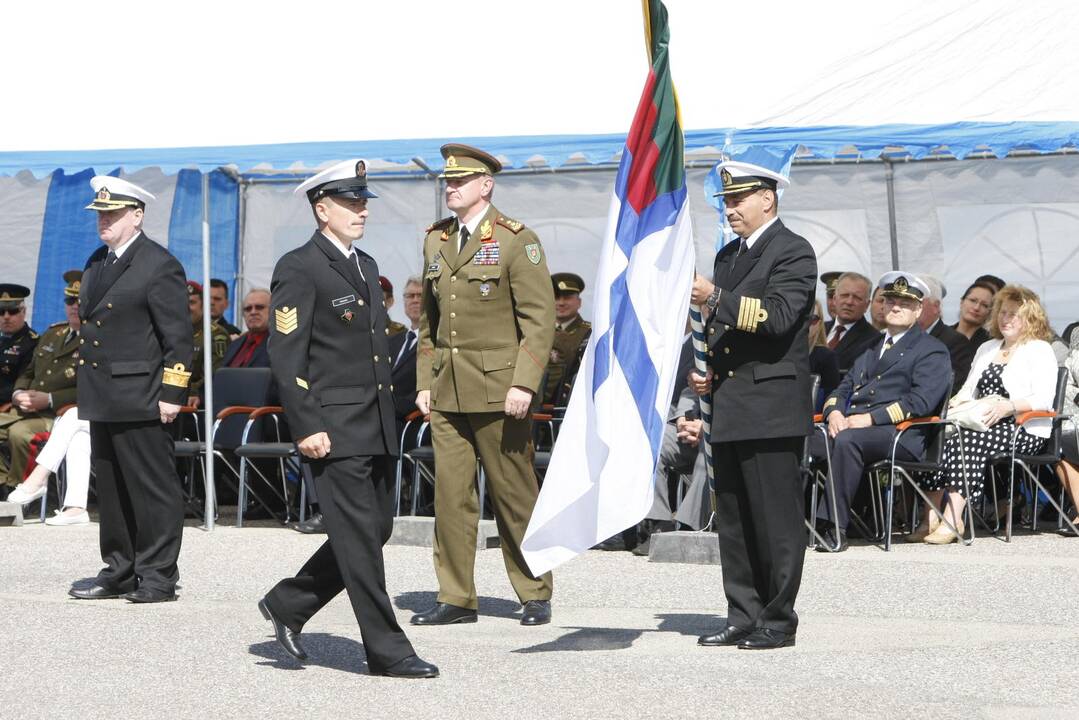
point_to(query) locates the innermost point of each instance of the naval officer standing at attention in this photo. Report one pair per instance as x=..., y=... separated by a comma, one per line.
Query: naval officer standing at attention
x=133, y=373
x=330, y=357
x=485, y=337
x=759, y=304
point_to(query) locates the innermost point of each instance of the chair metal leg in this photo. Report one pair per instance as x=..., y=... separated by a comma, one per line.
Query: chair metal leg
x=303, y=498
x=481, y=480
x=241, y=493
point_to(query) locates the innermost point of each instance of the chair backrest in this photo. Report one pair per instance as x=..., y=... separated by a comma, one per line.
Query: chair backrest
x=239, y=386
x=1053, y=446
x=935, y=435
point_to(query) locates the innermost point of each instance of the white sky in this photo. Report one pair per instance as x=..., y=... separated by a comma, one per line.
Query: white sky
x=83, y=75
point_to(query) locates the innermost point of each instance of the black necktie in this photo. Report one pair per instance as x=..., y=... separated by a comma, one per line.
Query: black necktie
x=464, y=235
x=110, y=258
x=887, y=345
x=405, y=347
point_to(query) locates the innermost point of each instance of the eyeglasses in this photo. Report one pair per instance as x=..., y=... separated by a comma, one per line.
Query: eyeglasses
x=253, y=308
x=11, y=311
x=978, y=303
x=71, y=301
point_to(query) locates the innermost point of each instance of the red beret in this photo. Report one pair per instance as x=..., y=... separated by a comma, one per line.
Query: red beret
x=384, y=281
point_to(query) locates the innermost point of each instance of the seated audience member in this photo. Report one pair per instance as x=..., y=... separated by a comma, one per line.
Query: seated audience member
x=17, y=339
x=403, y=353
x=219, y=303
x=974, y=311
x=822, y=361
x=959, y=347
x=828, y=279
x=68, y=440
x=1018, y=366
x=1068, y=468
x=250, y=349
x=219, y=343
x=850, y=335
x=877, y=311
x=393, y=326
x=571, y=333
x=903, y=375
x=45, y=385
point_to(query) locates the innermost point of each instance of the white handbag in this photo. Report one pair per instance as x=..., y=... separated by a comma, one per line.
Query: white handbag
x=969, y=413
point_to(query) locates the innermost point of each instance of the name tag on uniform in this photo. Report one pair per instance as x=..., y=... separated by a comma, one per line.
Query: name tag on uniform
x=433, y=267
x=344, y=300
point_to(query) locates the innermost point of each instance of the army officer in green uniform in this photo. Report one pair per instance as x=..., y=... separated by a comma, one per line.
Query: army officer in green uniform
x=218, y=345
x=571, y=333
x=45, y=385
x=485, y=337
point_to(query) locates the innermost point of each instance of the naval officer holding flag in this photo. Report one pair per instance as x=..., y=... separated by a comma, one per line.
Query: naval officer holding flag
x=759, y=302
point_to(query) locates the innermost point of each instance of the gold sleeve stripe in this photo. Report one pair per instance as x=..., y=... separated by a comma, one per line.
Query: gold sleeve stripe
x=750, y=314
x=301, y=382
x=831, y=401
x=176, y=376
x=895, y=412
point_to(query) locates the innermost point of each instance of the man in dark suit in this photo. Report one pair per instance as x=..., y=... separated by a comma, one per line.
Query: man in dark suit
x=330, y=358
x=904, y=375
x=403, y=352
x=849, y=333
x=960, y=348
x=251, y=349
x=759, y=302
x=133, y=374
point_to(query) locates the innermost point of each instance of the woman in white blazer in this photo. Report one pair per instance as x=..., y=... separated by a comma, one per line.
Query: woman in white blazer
x=1018, y=364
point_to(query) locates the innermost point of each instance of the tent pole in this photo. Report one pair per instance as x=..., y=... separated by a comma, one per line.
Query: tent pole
x=241, y=253
x=207, y=360
x=889, y=179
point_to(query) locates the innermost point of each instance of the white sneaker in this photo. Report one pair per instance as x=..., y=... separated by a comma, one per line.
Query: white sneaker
x=60, y=519
x=22, y=497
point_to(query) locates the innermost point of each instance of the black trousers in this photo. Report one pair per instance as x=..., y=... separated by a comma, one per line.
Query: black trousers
x=852, y=450
x=140, y=503
x=760, y=514
x=356, y=499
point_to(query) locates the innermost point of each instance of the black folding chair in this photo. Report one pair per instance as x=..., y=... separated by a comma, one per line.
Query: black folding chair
x=933, y=462
x=280, y=448
x=1029, y=464
x=237, y=393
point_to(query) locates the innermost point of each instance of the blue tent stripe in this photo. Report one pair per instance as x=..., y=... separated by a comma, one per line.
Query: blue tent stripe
x=68, y=237
x=824, y=141
x=185, y=225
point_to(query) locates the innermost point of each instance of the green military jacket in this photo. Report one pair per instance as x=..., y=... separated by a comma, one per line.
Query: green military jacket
x=53, y=368
x=488, y=314
x=218, y=345
x=564, y=351
x=395, y=328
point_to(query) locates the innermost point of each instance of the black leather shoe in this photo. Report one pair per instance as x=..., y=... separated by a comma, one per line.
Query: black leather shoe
x=766, y=639
x=829, y=536
x=444, y=614
x=95, y=592
x=313, y=525
x=536, y=612
x=410, y=667
x=729, y=635
x=149, y=595
x=286, y=636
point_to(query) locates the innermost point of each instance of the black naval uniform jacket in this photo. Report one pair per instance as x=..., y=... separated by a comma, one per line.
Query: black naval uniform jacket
x=909, y=380
x=136, y=334
x=329, y=349
x=757, y=342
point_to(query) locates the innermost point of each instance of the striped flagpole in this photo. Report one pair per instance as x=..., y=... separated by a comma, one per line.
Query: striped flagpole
x=700, y=362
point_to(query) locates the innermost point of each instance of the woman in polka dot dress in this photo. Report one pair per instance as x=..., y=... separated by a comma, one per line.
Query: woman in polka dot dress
x=1019, y=365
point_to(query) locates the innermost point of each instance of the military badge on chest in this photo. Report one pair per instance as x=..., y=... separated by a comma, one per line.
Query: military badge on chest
x=488, y=254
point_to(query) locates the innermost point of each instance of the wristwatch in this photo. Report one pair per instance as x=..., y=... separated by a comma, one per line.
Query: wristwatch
x=712, y=300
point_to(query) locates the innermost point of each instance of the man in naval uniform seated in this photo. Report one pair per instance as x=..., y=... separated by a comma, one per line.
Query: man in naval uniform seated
x=906, y=374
